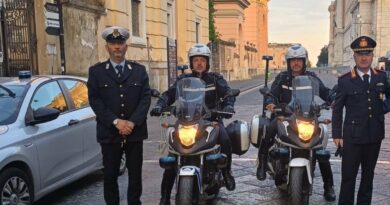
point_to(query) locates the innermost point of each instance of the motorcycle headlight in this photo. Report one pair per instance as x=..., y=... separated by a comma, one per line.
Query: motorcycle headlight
x=187, y=134
x=305, y=130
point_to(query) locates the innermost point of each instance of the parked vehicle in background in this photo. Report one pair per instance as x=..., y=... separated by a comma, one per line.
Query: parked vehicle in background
x=47, y=135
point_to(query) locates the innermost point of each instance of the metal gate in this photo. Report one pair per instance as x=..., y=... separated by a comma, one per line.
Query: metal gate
x=17, y=37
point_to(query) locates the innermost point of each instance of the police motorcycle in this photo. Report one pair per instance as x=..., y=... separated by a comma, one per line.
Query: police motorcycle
x=192, y=143
x=300, y=137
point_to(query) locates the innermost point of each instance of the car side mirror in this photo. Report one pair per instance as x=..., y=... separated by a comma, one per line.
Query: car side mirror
x=44, y=114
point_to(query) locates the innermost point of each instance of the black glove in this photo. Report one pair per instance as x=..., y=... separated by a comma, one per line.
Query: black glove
x=339, y=151
x=228, y=109
x=156, y=111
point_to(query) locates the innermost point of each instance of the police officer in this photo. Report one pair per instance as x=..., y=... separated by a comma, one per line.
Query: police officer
x=296, y=58
x=120, y=96
x=361, y=92
x=199, y=59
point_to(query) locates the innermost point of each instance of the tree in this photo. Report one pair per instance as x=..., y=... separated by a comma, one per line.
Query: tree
x=213, y=34
x=323, y=57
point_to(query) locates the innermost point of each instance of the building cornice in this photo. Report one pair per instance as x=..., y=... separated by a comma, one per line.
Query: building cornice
x=98, y=8
x=242, y=3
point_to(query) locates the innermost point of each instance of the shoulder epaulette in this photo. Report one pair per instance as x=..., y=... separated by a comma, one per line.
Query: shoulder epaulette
x=134, y=62
x=351, y=72
x=376, y=70
x=96, y=64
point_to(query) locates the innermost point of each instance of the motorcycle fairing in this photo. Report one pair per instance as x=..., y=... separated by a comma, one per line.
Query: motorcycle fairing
x=207, y=140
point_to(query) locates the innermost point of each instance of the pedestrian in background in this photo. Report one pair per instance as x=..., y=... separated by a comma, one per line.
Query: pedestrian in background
x=119, y=94
x=361, y=92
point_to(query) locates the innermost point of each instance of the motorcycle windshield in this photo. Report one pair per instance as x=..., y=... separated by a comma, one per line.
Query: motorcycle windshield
x=305, y=88
x=190, y=99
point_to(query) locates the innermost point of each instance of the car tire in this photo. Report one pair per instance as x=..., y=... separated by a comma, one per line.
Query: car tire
x=15, y=186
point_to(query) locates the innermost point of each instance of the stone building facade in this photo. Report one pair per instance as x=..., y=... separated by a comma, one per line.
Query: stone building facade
x=161, y=32
x=352, y=18
x=278, y=52
x=244, y=23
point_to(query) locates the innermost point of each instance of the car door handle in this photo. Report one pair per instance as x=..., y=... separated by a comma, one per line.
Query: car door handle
x=73, y=122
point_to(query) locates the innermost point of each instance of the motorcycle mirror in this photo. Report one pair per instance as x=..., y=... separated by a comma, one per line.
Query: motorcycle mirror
x=233, y=92
x=155, y=93
x=182, y=67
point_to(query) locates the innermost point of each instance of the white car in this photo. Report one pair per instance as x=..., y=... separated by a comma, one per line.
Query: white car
x=47, y=136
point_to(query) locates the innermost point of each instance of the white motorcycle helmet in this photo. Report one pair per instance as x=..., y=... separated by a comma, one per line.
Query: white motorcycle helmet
x=296, y=51
x=200, y=50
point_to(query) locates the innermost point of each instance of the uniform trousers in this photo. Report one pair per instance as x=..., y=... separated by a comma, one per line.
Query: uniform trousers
x=355, y=155
x=112, y=154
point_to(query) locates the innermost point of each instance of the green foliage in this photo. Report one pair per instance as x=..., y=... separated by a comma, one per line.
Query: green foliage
x=213, y=34
x=323, y=57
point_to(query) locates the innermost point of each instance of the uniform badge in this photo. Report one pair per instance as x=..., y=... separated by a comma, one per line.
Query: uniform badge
x=107, y=66
x=116, y=33
x=363, y=43
x=129, y=66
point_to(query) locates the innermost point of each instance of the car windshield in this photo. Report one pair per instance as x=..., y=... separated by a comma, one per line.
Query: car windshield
x=11, y=98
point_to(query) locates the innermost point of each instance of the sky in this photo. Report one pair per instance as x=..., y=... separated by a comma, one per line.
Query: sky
x=300, y=21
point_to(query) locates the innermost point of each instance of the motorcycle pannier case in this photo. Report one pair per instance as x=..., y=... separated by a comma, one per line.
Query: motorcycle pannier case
x=258, y=129
x=238, y=132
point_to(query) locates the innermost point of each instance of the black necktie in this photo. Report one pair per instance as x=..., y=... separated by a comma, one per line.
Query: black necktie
x=365, y=80
x=119, y=68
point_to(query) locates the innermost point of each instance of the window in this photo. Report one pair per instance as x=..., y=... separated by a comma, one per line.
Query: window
x=78, y=91
x=171, y=19
x=49, y=95
x=138, y=22
x=197, y=31
x=135, y=7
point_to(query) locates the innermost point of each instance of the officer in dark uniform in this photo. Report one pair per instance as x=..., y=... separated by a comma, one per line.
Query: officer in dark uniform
x=120, y=96
x=361, y=92
x=217, y=87
x=296, y=57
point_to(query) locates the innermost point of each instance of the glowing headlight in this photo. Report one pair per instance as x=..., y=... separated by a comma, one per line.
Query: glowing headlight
x=305, y=130
x=187, y=134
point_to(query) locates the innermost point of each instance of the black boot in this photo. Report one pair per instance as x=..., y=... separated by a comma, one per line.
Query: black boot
x=329, y=194
x=230, y=183
x=261, y=168
x=327, y=178
x=166, y=186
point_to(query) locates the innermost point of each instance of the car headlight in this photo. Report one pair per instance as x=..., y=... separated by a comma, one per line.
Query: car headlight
x=187, y=134
x=305, y=130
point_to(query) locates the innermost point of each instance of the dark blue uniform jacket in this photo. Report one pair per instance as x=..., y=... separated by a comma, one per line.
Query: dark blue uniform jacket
x=127, y=97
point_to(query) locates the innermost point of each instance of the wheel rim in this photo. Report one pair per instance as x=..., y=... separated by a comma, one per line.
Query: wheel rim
x=15, y=192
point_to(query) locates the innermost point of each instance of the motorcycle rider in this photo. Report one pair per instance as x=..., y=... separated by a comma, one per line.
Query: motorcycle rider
x=216, y=88
x=296, y=58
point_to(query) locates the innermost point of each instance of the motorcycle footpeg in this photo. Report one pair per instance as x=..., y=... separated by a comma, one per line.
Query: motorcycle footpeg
x=167, y=162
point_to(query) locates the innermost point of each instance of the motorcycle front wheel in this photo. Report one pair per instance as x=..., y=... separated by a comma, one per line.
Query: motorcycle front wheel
x=298, y=181
x=184, y=195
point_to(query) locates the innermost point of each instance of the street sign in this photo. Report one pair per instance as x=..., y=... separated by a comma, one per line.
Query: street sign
x=52, y=23
x=52, y=15
x=52, y=20
x=52, y=7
